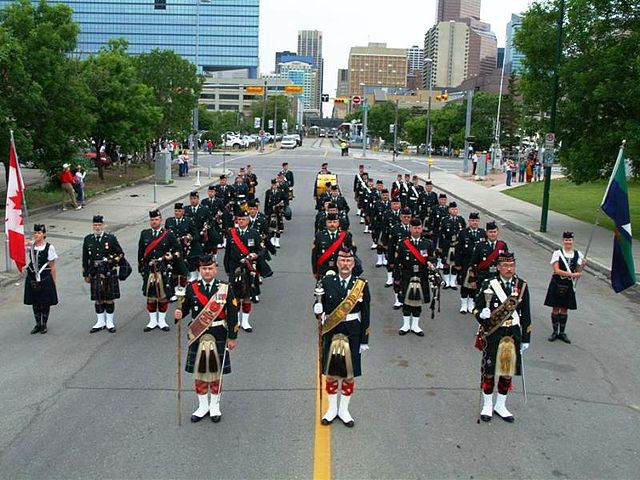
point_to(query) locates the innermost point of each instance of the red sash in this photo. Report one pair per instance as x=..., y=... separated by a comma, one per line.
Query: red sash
x=154, y=244
x=331, y=250
x=238, y=242
x=492, y=256
x=414, y=251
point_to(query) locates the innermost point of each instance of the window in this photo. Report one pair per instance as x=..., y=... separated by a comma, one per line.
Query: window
x=160, y=4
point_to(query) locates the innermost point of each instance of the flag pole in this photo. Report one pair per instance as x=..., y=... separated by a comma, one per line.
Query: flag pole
x=20, y=179
x=586, y=252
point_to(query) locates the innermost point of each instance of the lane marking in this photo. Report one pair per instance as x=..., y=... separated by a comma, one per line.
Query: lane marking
x=322, y=440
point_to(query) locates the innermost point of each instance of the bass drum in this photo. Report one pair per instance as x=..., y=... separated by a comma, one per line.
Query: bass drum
x=321, y=181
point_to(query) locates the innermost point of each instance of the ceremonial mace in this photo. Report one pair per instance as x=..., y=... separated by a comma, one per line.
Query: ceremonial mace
x=319, y=292
x=488, y=295
x=180, y=293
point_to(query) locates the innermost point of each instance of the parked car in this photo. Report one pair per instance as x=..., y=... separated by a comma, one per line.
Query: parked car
x=232, y=142
x=289, y=141
x=104, y=160
x=298, y=138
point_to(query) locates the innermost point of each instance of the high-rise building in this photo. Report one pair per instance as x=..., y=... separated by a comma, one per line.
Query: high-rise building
x=279, y=55
x=447, y=10
x=286, y=57
x=222, y=35
x=500, y=58
x=376, y=65
x=302, y=73
x=342, y=89
x=512, y=56
x=310, y=45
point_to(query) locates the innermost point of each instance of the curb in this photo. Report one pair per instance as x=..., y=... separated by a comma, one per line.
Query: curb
x=593, y=265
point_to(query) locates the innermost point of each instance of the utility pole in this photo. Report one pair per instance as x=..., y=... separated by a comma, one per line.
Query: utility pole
x=365, y=109
x=275, y=121
x=395, y=133
x=467, y=133
x=552, y=120
x=264, y=105
x=429, y=159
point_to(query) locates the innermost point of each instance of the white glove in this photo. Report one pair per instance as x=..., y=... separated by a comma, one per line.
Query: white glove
x=364, y=347
x=485, y=313
x=523, y=347
x=317, y=308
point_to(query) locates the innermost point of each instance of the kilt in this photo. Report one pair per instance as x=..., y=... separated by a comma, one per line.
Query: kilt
x=110, y=286
x=567, y=301
x=404, y=286
x=220, y=334
x=149, y=290
x=352, y=331
x=490, y=351
x=47, y=293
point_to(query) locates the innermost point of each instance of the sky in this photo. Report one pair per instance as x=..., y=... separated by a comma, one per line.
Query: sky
x=344, y=24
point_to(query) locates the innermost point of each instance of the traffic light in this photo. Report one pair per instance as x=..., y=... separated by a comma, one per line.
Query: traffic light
x=443, y=97
x=325, y=97
x=341, y=100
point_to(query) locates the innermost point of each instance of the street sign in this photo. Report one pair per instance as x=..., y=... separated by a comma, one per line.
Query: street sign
x=325, y=97
x=356, y=100
x=365, y=108
x=256, y=122
x=293, y=89
x=271, y=123
x=547, y=158
x=254, y=90
x=549, y=141
x=391, y=127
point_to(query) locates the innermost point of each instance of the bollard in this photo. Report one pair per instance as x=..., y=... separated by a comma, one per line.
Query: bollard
x=197, y=184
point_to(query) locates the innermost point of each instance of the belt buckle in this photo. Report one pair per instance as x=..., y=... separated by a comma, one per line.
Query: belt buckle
x=416, y=269
x=493, y=269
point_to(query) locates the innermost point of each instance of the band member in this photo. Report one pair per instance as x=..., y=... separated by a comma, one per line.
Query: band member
x=159, y=257
x=467, y=241
x=390, y=219
x=274, y=203
x=252, y=181
x=412, y=264
x=324, y=170
x=241, y=256
x=485, y=256
x=101, y=257
x=437, y=214
x=414, y=196
x=288, y=174
x=502, y=309
x=450, y=228
x=40, y=285
x=326, y=246
x=188, y=237
x=216, y=212
x=378, y=210
x=205, y=225
x=337, y=198
x=427, y=202
x=212, y=332
x=223, y=191
x=344, y=307
x=369, y=196
x=561, y=295
x=359, y=184
x=397, y=234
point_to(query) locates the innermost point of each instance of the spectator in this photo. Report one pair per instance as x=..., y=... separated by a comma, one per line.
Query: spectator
x=474, y=159
x=185, y=159
x=78, y=185
x=509, y=171
x=537, y=170
x=529, y=170
x=521, y=169
x=210, y=146
x=68, y=193
x=181, y=164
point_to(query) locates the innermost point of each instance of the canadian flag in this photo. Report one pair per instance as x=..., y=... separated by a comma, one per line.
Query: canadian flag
x=14, y=222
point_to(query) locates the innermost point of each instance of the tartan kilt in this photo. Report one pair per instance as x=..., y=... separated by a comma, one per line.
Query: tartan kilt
x=220, y=334
x=46, y=295
x=352, y=331
x=490, y=351
x=111, y=289
x=149, y=290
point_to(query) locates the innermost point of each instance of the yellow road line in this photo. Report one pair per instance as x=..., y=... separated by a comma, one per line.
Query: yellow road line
x=322, y=441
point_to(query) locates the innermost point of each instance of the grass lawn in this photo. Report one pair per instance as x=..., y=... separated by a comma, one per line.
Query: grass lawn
x=113, y=177
x=579, y=201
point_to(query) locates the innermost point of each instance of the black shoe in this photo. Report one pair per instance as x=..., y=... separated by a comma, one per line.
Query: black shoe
x=387, y=285
x=446, y=287
x=402, y=332
x=485, y=418
x=453, y=288
x=96, y=329
x=378, y=266
x=349, y=424
x=44, y=330
x=553, y=337
x=36, y=329
x=196, y=419
x=509, y=419
x=324, y=421
x=564, y=338
x=216, y=418
x=397, y=307
x=420, y=334
x=148, y=329
x=248, y=330
x=165, y=329
x=112, y=330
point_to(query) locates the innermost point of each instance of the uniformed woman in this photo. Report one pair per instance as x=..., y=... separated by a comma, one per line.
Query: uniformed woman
x=40, y=284
x=561, y=296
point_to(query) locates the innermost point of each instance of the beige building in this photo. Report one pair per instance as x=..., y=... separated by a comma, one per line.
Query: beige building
x=376, y=65
x=459, y=50
x=454, y=9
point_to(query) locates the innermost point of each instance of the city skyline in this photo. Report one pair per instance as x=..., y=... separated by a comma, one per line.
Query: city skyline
x=403, y=26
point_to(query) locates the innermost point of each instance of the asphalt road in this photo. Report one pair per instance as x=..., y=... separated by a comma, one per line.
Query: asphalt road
x=76, y=405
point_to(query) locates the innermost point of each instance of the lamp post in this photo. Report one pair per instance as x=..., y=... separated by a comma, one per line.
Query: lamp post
x=395, y=133
x=429, y=74
x=552, y=120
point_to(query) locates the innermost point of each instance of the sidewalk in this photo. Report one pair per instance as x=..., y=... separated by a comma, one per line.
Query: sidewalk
x=121, y=207
x=487, y=197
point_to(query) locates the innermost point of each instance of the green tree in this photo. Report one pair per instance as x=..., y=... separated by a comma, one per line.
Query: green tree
x=176, y=89
x=283, y=111
x=126, y=107
x=511, y=115
x=48, y=97
x=599, y=94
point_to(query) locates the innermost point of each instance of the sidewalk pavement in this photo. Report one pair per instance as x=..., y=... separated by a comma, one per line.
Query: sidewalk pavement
x=487, y=197
x=121, y=207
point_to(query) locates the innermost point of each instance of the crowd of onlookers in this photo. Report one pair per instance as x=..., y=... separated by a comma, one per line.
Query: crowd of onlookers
x=526, y=168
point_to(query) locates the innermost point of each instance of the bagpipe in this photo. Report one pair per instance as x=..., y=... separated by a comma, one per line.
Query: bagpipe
x=244, y=276
x=435, y=282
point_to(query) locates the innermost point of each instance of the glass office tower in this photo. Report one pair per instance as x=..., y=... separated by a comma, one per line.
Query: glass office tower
x=222, y=34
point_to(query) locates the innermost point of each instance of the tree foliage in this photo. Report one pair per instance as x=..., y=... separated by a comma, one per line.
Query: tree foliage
x=284, y=106
x=599, y=92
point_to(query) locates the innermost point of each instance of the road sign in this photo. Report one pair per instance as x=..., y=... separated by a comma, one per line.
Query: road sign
x=365, y=108
x=547, y=158
x=271, y=123
x=549, y=141
x=254, y=90
x=256, y=122
x=356, y=100
x=293, y=89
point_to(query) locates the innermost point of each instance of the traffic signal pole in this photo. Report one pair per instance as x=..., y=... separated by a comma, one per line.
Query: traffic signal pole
x=552, y=120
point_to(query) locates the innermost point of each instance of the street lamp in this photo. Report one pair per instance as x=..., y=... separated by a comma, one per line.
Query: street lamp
x=429, y=62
